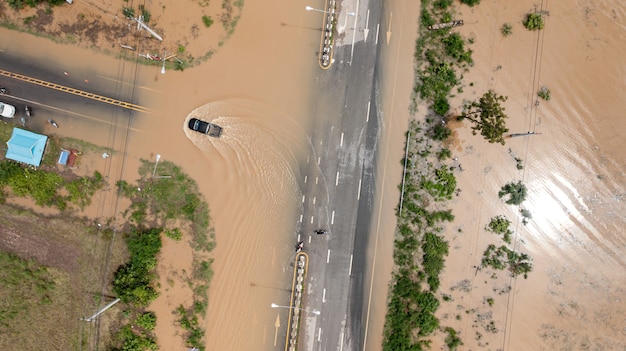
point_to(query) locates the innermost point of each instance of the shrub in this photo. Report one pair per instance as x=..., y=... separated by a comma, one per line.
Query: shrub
x=442, y=4
x=452, y=340
x=441, y=132
x=128, y=12
x=444, y=154
x=146, y=321
x=207, y=20
x=533, y=21
x=470, y=2
x=516, y=193
x=544, y=93
x=507, y=29
x=455, y=48
x=441, y=106
x=500, y=225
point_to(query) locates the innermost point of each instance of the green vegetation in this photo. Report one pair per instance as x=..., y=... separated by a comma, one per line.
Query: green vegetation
x=487, y=116
x=452, y=340
x=470, y=2
x=146, y=321
x=442, y=186
x=502, y=257
x=438, y=54
x=533, y=21
x=132, y=340
x=544, y=93
x=24, y=285
x=516, y=193
x=207, y=20
x=29, y=19
x=128, y=12
x=444, y=154
x=145, y=13
x=174, y=234
x=519, y=163
x=420, y=251
x=160, y=202
x=455, y=48
x=490, y=301
x=435, y=250
x=507, y=29
x=189, y=322
x=133, y=282
x=169, y=202
x=19, y=4
x=47, y=188
x=440, y=132
x=500, y=225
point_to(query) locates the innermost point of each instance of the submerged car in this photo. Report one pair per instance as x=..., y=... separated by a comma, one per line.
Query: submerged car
x=204, y=127
x=7, y=110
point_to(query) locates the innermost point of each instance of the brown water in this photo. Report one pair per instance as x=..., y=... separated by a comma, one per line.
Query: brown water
x=257, y=88
x=575, y=175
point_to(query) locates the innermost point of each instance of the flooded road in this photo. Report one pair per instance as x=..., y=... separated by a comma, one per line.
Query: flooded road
x=257, y=88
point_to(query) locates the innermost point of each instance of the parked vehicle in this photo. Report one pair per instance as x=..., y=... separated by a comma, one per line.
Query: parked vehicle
x=53, y=123
x=204, y=127
x=7, y=110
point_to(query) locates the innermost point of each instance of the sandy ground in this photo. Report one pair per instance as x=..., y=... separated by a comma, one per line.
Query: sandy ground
x=574, y=170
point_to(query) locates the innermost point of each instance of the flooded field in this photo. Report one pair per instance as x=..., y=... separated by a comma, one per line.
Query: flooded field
x=257, y=86
x=574, y=171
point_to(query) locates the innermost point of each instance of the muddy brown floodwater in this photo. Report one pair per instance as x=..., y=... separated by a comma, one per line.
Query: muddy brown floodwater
x=574, y=297
x=257, y=87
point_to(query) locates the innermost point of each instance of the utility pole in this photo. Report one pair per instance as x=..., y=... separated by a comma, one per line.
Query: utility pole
x=100, y=312
x=140, y=24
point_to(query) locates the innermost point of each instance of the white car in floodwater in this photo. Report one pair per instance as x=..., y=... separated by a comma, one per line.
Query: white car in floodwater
x=6, y=110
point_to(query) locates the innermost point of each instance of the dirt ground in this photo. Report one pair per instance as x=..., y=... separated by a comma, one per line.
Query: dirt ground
x=75, y=254
x=102, y=25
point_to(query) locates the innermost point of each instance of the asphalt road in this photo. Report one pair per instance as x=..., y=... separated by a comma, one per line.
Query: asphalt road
x=339, y=190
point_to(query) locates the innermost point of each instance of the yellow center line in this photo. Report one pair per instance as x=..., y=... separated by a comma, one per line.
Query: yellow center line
x=88, y=95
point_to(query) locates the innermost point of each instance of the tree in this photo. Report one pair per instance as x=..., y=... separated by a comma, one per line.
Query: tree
x=488, y=117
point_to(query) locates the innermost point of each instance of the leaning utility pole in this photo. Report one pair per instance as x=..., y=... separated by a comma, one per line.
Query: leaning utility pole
x=140, y=24
x=100, y=312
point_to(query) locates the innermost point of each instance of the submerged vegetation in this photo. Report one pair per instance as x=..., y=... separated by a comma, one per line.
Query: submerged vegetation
x=169, y=200
x=533, y=21
x=420, y=248
x=420, y=245
x=502, y=257
x=544, y=93
x=500, y=225
x=487, y=116
x=515, y=193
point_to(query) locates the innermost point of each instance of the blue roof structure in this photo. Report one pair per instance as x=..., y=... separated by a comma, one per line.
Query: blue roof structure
x=26, y=147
